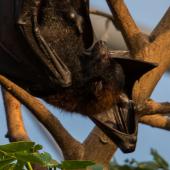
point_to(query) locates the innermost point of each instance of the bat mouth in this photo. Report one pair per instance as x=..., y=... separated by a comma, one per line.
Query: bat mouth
x=122, y=131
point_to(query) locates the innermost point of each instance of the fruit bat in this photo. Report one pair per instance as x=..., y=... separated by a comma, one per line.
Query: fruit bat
x=46, y=47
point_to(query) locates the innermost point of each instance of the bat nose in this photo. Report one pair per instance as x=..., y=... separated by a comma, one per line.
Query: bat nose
x=129, y=146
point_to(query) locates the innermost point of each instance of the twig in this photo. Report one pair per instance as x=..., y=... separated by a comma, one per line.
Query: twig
x=134, y=39
x=119, y=53
x=105, y=15
x=53, y=125
x=101, y=13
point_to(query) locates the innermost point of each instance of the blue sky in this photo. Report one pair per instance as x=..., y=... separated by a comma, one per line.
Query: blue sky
x=146, y=13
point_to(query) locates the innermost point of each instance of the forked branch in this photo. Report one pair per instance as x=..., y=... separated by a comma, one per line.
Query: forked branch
x=134, y=38
x=53, y=125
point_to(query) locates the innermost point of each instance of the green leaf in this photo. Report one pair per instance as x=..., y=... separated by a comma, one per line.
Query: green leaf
x=6, y=162
x=37, y=148
x=159, y=160
x=43, y=159
x=17, y=146
x=10, y=167
x=19, y=165
x=96, y=167
x=75, y=164
x=150, y=165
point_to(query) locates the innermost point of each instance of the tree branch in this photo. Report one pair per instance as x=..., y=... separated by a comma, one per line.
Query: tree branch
x=134, y=39
x=158, y=52
x=156, y=114
x=16, y=129
x=105, y=15
x=151, y=107
x=158, y=121
x=53, y=125
x=101, y=13
x=162, y=27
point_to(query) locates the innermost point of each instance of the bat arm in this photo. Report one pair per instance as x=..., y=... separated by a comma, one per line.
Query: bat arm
x=50, y=58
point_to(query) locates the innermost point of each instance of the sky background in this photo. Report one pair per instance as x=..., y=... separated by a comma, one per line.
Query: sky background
x=146, y=13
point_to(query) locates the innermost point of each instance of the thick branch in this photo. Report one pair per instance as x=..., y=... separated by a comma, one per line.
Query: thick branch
x=62, y=137
x=157, y=52
x=16, y=129
x=134, y=39
x=99, y=148
x=158, y=121
x=151, y=107
x=98, y=141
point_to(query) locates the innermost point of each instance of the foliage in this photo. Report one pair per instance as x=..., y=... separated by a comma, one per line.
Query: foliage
x=158, y=163
x=21, y=156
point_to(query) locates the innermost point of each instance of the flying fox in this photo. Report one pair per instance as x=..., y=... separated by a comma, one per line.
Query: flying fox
x=47, y=48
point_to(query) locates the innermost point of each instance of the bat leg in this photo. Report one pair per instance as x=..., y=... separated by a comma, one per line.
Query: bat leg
x=50, y=58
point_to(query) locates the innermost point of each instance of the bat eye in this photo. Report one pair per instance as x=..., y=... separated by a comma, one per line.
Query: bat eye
x=72, y=15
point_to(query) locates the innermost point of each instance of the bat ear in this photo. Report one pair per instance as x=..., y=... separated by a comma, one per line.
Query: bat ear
x=133, y=70
x=133, y=65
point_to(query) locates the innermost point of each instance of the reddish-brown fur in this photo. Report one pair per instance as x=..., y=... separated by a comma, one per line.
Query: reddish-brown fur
x=93, y=102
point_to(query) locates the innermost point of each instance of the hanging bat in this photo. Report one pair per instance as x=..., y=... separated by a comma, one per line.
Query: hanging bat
x=46, y=47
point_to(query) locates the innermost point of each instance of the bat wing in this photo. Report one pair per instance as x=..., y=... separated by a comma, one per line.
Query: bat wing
x=120, y=125
x=19, y=49
x=27, y=74
x=17, y=60
x=133, y=70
